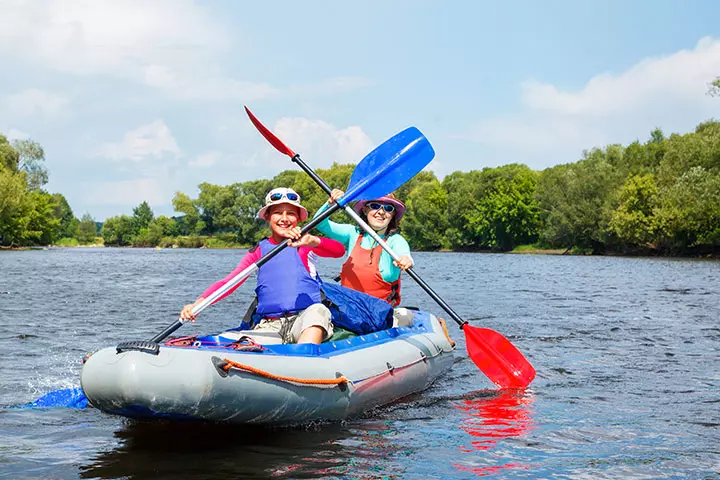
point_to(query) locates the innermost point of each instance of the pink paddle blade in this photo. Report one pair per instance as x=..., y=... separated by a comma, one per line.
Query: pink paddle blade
x=498, y=359
x=269, y=136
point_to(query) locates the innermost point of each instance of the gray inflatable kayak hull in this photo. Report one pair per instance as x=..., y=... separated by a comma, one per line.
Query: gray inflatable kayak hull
x=190, y=383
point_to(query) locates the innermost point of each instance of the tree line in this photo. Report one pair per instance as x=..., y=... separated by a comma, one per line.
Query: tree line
x=657, y=197
x=29, y=215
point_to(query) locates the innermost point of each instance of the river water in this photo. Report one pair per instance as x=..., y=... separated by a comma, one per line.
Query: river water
x=627, y=352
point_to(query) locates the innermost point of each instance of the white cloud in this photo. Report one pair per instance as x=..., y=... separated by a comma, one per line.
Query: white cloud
x=342, y=84
x=333, y=85
x=33, y=102
x=681, y=76
x=189, y=85
x=556, y=125
x=154, y=140
x=172, y=45
x=322, y=143
x=129, y=192
x=13, y=134
x=206, y=160
x=101, y=36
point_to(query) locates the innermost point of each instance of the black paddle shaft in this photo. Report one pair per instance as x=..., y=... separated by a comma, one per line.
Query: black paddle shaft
x=296, y=158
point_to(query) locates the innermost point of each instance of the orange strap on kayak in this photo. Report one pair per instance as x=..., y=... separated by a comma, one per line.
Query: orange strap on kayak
x=445, y=331
x=304, y=381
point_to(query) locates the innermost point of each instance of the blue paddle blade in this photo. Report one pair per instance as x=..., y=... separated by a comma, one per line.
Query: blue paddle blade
x=389, y=166
x=66, y=397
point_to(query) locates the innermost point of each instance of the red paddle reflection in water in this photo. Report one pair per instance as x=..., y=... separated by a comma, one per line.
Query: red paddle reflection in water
x=492, y=418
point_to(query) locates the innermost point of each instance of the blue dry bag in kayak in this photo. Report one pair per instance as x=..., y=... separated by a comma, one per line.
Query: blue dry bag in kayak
x=356, y=311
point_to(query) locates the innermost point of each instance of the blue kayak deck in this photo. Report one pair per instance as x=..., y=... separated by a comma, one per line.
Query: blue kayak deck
x=421, y=325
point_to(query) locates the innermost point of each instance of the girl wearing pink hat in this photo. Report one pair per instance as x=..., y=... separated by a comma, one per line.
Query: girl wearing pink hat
x=289, y=307
x=369, y=268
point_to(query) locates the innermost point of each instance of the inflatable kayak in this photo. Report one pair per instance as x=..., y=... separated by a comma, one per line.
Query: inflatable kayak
x=226, y=378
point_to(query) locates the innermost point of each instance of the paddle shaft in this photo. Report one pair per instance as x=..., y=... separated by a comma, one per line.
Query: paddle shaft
x=296, y=158
x=499, y=359
x=243, y=275
x=381, y=171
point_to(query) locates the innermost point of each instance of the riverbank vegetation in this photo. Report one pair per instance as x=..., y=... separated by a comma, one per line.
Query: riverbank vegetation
x=659, y=197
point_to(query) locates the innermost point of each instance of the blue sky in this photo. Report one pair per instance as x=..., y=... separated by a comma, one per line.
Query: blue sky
x=135, y=100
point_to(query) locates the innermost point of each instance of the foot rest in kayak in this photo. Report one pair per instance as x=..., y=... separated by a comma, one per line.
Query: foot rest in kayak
x=140, y=346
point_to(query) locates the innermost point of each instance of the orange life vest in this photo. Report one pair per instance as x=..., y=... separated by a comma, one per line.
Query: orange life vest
x=361, y=272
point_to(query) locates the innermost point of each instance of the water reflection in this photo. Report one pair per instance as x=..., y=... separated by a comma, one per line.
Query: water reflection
x=198, y=450
x=489, y=418
x=177, y=450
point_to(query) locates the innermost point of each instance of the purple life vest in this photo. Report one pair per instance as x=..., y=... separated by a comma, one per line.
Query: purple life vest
x=284, y=285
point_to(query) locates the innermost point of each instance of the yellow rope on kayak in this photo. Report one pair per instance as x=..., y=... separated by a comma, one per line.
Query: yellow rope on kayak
x=304, y=381
x=445, y=330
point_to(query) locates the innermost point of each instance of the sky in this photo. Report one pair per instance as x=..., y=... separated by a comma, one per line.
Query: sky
x=135, y=100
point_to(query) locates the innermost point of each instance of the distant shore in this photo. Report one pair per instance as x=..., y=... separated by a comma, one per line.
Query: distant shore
x=541, y=251
x=522, y=250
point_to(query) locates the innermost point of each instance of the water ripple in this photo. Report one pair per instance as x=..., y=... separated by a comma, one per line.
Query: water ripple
x=625, y=351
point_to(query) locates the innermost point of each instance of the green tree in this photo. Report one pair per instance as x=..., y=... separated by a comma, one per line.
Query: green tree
x=634, y=220
x=33, y=222
x=657, y=136
x=422, y=177
x=159, y=228
x=86, y=230
x=289, y=179
x=9, y=157
x=506, y=212
x=191, y=223
x=28, y=215
x=215, y=204
x=233, y=208
x=662, y=193
x=249, y=198
x=577, y=200
x=31, y=158
x=689, y=211
x=13, y=205
x=714, y=88
x=142, y=215
x=462, y=193
x=118, y=231
x=698, y=149
x=62, y=211
x=42, y=225
x=425, y=221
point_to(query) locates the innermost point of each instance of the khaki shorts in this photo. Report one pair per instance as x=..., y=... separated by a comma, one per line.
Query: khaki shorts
x=288, y=329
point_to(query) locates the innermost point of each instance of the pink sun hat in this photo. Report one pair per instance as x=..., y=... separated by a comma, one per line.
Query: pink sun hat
x=276, y=196
x=390, y=199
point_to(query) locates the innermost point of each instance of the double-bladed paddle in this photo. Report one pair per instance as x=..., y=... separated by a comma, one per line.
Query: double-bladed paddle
x=383, y=170
x=498, y=359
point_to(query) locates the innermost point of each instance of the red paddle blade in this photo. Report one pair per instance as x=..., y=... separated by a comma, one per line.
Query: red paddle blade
x=498, y=358
x=269, y=136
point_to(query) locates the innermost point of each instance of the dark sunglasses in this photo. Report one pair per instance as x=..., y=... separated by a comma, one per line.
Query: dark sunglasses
x=290, y=196
x=385, y=206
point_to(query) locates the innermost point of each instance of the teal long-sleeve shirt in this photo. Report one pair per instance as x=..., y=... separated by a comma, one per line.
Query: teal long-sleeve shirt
x=348, y=235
